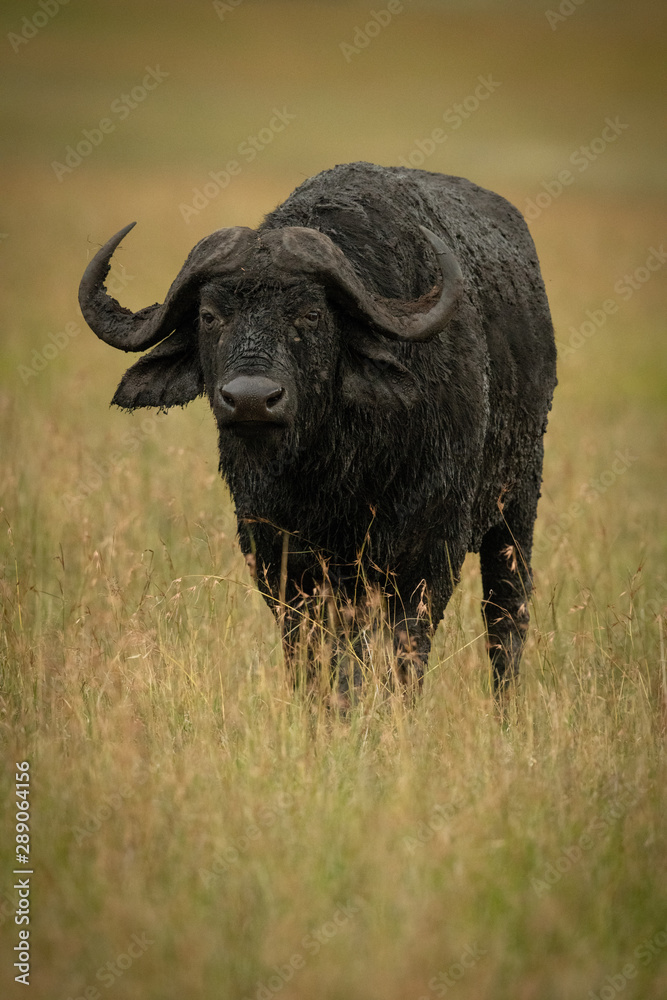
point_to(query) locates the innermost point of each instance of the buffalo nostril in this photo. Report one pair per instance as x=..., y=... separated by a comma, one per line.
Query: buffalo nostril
x=251, y=399
x=274, y=397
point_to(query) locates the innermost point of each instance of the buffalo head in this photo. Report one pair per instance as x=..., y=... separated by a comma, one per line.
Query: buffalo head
x=270, y=325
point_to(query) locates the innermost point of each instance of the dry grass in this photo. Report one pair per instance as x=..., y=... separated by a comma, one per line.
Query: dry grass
x=181, y=790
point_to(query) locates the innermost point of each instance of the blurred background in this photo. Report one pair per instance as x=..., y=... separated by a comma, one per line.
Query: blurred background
x=187, y=117
x=191, y=116
x=515, y=90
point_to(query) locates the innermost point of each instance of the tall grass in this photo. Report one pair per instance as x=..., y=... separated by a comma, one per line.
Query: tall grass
x=194, y=816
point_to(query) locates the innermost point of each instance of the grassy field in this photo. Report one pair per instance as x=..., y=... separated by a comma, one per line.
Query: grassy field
x=197, y=830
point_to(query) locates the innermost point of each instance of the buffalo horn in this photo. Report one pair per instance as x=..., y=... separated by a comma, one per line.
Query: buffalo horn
x=128, y=331
x=414, y=320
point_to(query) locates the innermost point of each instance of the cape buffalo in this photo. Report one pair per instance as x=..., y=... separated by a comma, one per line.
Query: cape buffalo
x=380, y=360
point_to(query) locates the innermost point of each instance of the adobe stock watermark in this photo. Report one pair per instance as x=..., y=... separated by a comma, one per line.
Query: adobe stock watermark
x=655, y=607
x=108, y=973
x=440, y=816
x=31, y=26
x=589, y=492
x=121, y=108
x=101, y=471
x=438, y=820
x=93, y=819
x=231, y=854
x=311, y=944
x=644, y=953
x=573, y=854
x=566, y=9
x=57, y=342
x=363, y=36
x=247, y=150
x=454, y=117
x=222, y=9
x=441, y=984
x=625, y=288
x=581, y=158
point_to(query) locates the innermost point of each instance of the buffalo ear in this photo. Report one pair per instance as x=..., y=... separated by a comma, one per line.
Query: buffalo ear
x=169, y=375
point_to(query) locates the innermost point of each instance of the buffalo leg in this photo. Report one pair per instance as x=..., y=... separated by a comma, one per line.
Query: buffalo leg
x=308, y=642
x=412, y=645
x=507, y=584
x=413, y=626
x=319, y=647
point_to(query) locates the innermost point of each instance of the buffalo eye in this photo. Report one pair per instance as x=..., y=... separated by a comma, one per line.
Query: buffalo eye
x=207, y=318
x=309, y=319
